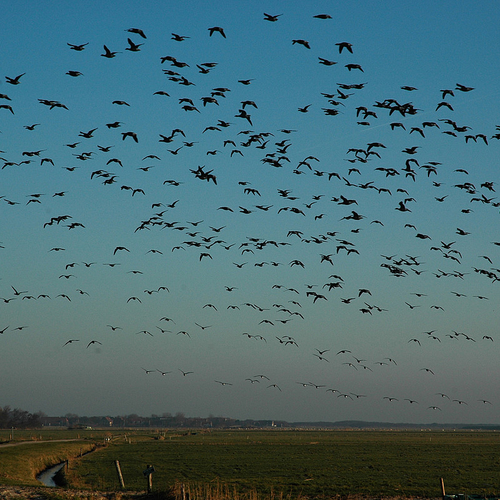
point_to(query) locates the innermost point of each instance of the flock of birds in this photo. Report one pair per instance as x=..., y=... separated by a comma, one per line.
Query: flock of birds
x=320, y=232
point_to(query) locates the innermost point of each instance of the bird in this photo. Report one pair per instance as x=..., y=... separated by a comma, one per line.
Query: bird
x=179, y=38
x=87, y=135
x=352, y=66
x=344, y=45
x=15, y=80
x=137, y=31
x=463, y=88
x=92, y=342
x=70, y=341
x=108, y=54
x=203, y=327
x=271, y=18
x=274, y=386
x=304, y=43
x=326, y=62
x=79, y=47
x=217, y=29
x=133, y=135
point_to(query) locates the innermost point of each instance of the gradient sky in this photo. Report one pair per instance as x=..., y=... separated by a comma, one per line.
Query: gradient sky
x=272, y=322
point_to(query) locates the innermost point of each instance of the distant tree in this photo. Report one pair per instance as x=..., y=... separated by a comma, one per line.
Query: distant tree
x=18, y=418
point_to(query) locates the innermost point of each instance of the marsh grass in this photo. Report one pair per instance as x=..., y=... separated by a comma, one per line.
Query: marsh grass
x=222, y=491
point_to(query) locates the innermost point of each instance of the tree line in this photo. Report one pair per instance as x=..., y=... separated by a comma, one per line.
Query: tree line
x=20, y=419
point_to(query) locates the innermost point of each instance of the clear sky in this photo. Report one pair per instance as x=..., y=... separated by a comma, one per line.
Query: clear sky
x=292, y=217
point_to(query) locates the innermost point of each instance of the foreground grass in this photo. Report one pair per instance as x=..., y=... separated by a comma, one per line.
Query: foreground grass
x=253, y=465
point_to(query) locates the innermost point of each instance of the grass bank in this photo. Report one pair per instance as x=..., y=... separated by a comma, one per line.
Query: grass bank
x=21, y=464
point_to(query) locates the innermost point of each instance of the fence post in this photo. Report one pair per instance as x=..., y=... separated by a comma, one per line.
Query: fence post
x=119, y=471
x=148, y=474
x=150, y=481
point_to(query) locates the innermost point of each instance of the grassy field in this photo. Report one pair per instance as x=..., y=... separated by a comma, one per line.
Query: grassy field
x=302, y=463
x=252, y=465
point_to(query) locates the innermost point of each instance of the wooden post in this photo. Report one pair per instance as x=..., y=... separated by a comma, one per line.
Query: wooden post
x=119, y=471
x=443, y=493
x=148, y=474
x=150, y=481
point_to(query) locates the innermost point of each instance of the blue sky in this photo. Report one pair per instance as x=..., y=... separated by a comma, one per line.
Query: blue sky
x=279, y=292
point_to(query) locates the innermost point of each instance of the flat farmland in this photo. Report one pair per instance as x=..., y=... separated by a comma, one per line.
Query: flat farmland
x=312, y=464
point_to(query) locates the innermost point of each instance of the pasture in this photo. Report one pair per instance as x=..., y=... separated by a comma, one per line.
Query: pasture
x=313, y=464
x=253, y=464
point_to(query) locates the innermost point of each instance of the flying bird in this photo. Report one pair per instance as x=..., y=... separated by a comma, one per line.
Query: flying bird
x=137, y=31
x=15, y=80
x=216, y=29
x=70, y=341
x=108, y=54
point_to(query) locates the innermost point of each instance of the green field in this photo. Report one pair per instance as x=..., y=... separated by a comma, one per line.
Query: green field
x=312, y=464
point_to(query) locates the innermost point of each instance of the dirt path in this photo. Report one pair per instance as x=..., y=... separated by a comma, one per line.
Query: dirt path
x=20, y=443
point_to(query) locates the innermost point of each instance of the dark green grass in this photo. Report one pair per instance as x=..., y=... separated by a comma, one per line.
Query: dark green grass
x=314, y=464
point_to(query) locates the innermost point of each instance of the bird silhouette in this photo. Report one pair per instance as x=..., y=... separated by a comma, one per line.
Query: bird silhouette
x=15, y=80
x=216, y=29
x=108, y=53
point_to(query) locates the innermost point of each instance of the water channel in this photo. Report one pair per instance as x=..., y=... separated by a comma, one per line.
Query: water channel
x=47, y=476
